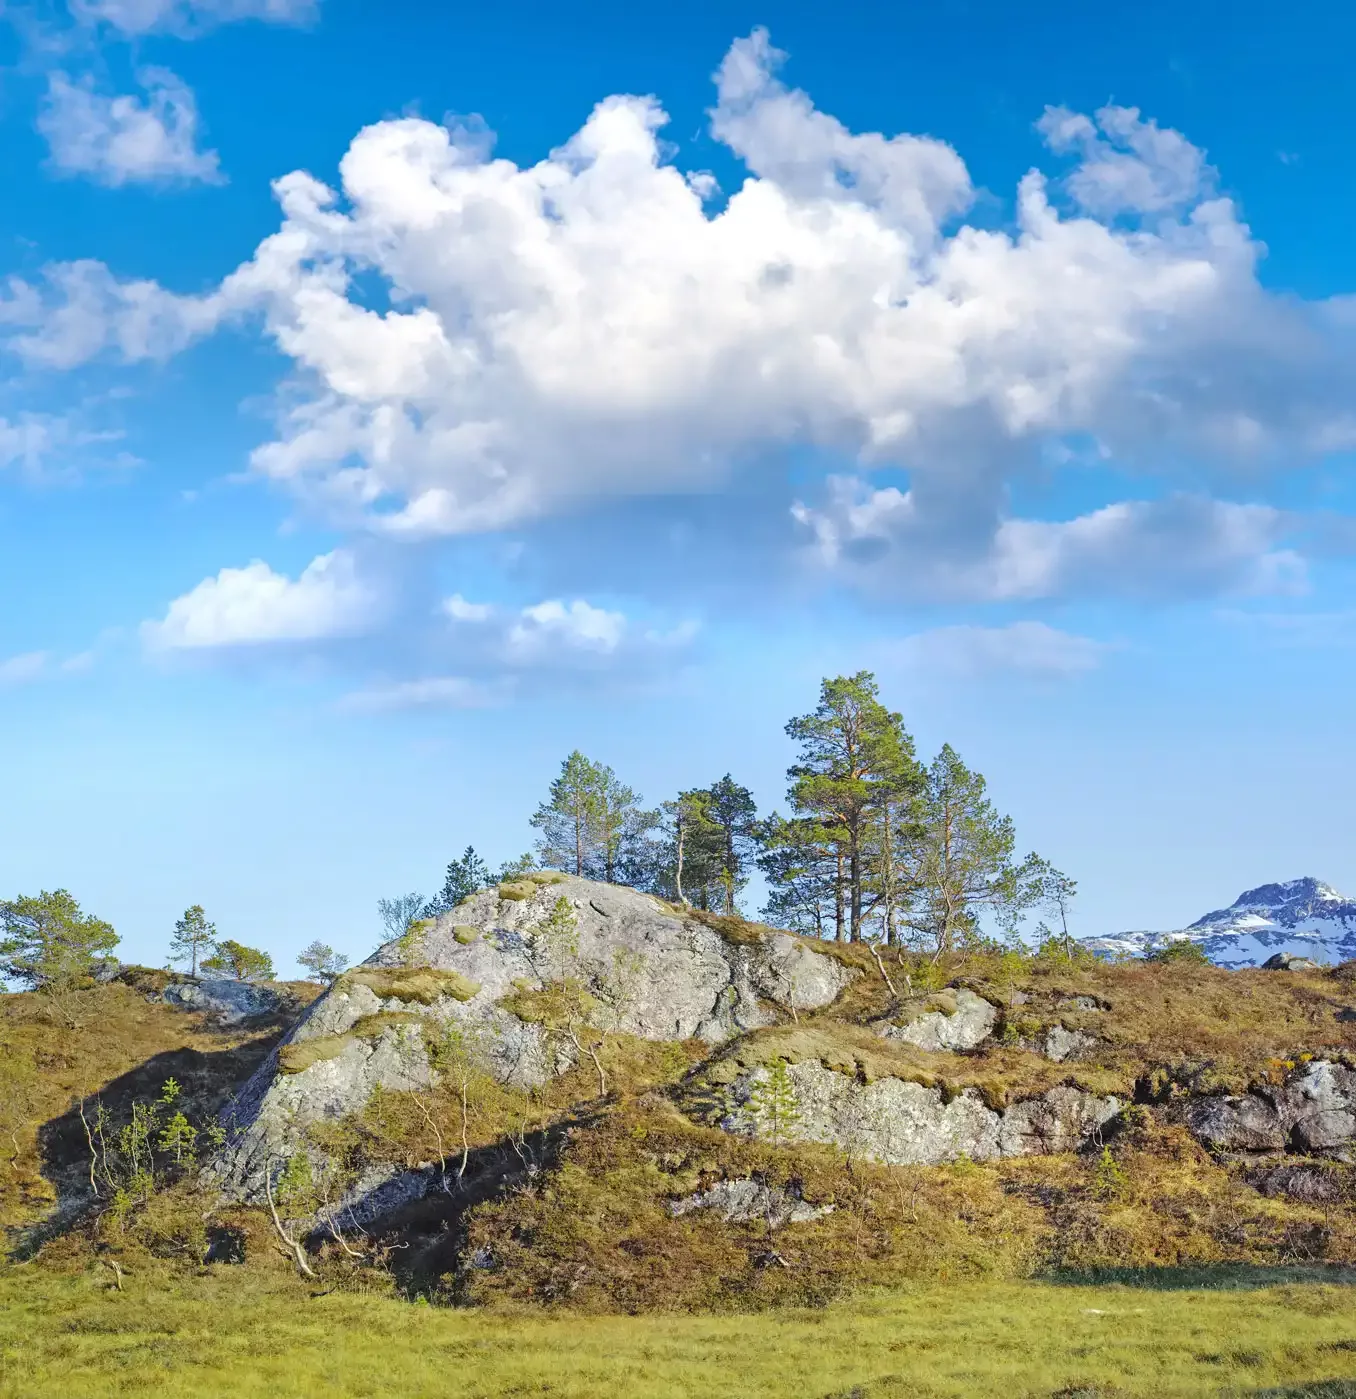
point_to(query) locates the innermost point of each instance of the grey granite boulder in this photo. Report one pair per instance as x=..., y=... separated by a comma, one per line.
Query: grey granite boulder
x=963, y=1020
x=1243, y=1122
x=1314, y=1111
x=1061, y=1045
x=901, y=1123
x=1319, y=1104
x=232, y=1001
x=1060, y=1120
x=1290, y=962
x=747, y=1199
x=653, y=972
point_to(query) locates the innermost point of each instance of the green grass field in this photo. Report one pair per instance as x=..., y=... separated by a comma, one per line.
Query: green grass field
x=228, y=1334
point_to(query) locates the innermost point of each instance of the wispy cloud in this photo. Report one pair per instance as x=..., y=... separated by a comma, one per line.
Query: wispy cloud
x=118, y=139
x=21, y=669
x=1029, y=648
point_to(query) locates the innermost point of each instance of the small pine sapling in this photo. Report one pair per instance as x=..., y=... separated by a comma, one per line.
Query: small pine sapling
x=773, y=1104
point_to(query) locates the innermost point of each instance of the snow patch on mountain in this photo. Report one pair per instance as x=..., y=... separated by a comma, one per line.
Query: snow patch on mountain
x=1303, y=917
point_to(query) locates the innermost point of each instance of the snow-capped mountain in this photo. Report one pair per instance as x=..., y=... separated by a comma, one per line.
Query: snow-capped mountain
x=1303, y=917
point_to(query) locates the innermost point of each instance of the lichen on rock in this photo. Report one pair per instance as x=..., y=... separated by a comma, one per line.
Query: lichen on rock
x=651, y=970
x=946, y=1020
x=902, y=1122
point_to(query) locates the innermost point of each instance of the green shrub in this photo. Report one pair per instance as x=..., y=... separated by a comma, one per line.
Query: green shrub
x=1180, y=952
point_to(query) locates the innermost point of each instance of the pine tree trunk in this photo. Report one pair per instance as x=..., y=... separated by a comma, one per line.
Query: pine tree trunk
x=838, y=896
x=678, y=872
x=855, y=889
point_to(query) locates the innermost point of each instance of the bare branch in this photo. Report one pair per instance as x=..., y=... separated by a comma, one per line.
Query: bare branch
x=294, y=1247
x=880, y=966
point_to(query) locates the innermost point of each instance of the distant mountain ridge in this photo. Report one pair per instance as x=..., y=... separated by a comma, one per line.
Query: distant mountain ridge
x=1304, y=917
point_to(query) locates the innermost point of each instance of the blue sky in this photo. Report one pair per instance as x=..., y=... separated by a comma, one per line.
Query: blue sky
x=630, y=374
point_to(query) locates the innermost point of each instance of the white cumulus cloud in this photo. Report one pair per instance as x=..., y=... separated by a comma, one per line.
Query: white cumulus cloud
x=595, y=327
x=575, y=625
x=119, y=139
x=1182, y=544
x=250, y=605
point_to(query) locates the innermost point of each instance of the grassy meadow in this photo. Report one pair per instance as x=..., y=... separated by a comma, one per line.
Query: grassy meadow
x=227, y=1333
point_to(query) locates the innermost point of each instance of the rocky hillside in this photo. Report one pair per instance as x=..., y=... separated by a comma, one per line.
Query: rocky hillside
x=555, y=1037
x=566, y=1091
x=1298, y=918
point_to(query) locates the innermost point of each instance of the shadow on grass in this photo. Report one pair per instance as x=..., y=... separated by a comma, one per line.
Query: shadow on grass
x=1212, y=1277
x=1318, y=1389
x=206, y=1079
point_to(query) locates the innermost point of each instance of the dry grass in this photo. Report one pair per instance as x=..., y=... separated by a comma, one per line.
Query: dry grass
x=122, y=1047
x=1001, y=1075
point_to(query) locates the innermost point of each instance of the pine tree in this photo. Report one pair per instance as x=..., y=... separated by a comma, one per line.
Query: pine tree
x=49, y=944
x=570, y=820
x=800, y=868
x=855, y=756
x=623, y=826
x=963, y=857
x=241, y=962
x=733, y=811
x=465, y=877
x=323, y=962
x=593, y=823
x=773, y=1105
x=690, y=861
x=193, y=935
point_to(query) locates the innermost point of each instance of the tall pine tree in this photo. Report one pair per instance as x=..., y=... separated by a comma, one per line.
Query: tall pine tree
x=733, y=811
x=592, y=823
x=570, y=819
x=855, y=758
x=962, y=858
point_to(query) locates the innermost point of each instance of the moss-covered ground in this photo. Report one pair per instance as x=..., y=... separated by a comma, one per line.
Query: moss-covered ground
x=222, y=1333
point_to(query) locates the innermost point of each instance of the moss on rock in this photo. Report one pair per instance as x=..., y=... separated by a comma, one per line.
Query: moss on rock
x=423, y=985
x=466, y=933
x=372, y=1027
x=739, y=932
x=517, y=890
x=297, y=1057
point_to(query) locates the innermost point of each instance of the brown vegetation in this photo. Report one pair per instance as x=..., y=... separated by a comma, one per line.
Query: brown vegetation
x=563, y=1196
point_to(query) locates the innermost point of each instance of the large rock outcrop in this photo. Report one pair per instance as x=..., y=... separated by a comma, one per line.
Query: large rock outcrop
x=902, y=1123
x=654, y=973
x=1313, y=1111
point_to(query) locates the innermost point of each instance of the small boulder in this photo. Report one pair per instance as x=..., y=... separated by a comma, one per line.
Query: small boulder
x=233, y=1001
x=965, y=1027
x=1238, y=1123
x=745, y=1200
x=1288, y=962
x=1320, y=1103
x=1060, y=1044
x=1061, y=1119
